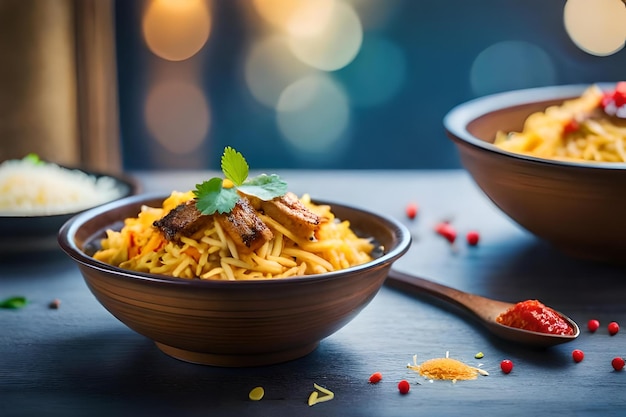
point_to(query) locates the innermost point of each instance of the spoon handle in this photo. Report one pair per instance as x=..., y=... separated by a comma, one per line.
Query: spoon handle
x=483, y=308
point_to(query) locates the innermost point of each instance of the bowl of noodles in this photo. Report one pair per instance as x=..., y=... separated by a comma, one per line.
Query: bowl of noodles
x=553, y=160
x=261, y=284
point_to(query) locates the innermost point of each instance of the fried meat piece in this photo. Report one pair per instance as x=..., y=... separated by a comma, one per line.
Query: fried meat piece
x=244, y=226
x=289, y=211
x=184, y=220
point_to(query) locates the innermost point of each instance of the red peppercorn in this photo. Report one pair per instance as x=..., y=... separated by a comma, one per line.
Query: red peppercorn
x=403, y=386
x=614, y=100
x=446, y=230
x=578, y=355
x=472, y=238
x=376, y=377
x=613, y=328
x=617, y=363
x=593, y=325
x=506, y=365
x=411, y=210
x=571, y=126
x=620, y=94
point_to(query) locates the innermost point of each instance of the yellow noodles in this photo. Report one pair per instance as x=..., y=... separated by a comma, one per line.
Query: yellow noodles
x=211, y=254
x=545, y=134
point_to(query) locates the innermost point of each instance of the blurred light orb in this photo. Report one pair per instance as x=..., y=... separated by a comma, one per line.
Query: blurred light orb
x=313, y=113
x=511, y=65
x=176, y=30
x=334, y=45
x=177, y=115
x=377, y=73
x=597, y=27
x=270, y=67
x=303, y=17
x=310, y=18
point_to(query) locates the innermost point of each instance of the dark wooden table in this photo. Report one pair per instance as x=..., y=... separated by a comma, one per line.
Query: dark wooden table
x=79, y=360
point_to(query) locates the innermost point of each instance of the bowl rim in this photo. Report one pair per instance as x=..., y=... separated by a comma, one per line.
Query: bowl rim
x=69, y=229
x=460, y=116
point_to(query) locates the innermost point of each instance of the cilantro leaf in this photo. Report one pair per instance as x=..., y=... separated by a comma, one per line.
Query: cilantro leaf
x=265, y=187
x=234, y=166
x=33, y=158
x=13, y=302
x=212, y=197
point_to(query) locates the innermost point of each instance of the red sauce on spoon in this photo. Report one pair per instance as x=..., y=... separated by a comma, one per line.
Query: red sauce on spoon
x=535, y=316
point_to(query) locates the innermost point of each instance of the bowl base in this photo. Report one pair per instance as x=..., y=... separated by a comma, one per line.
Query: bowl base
x=216, y=359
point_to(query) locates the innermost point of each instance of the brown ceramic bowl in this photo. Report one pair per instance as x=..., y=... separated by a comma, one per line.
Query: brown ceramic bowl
x=231, y=323
x=577, y=206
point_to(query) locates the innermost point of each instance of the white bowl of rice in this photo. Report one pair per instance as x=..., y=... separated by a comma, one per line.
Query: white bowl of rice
x=37, y=197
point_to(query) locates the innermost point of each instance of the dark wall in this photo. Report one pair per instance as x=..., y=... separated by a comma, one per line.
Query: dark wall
x=448, y=51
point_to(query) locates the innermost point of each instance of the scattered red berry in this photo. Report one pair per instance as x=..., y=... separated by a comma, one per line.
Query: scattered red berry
x=617, y=363
x=376, y=377
x=506, y=365
x=571, y=126
x=593, y=325
x=578, y=355
x=472, y=238
x=613, y=328
x=446, y=230
x=411, y=210
x=403, y=386
x=613, y=101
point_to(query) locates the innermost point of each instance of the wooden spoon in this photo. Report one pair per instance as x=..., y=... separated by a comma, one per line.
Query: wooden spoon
x=484, y=309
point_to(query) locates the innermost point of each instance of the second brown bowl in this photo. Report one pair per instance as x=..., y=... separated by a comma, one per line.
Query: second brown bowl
x=576, y=206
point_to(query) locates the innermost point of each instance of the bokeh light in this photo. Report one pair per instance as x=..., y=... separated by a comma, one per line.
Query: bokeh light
x=382, y=62
x=311, y=18
x=333, y=46
x=511, y=65
x=377, y=73
x=176, y=30
x=288, y=72
x=177, y=115
x=313, y=114
x=597, y=27
x=270, y=67
x=298, y=17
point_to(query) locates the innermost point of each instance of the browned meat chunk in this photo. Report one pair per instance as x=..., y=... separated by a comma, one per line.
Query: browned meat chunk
x=183, y=220
x=244, y=226
x=289, y=211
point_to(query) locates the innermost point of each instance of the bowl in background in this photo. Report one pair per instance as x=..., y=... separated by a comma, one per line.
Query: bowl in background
x=576, y=206
x=24, y=234
x=231, y=323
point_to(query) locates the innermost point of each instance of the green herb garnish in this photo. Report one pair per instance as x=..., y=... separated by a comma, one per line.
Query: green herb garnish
x=212, y=197
x=34, y=159
x=13, y=302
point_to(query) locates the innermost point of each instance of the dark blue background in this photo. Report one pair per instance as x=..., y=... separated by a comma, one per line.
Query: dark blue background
x=441, y=39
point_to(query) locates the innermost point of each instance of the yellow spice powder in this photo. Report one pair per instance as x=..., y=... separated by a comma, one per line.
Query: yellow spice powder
x=446, y=368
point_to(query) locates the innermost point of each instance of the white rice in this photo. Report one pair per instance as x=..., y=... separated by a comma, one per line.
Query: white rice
x=28, y=189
